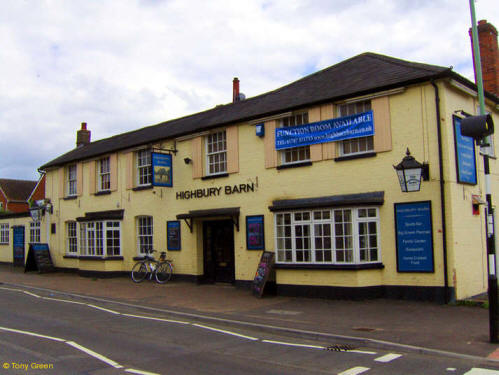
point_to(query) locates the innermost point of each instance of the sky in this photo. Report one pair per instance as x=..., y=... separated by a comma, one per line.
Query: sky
x=120, y=65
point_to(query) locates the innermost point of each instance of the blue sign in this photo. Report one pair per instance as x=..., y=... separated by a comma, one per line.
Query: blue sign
x=18, y=243
x=336, y=129
x=173, y=235
x=162, y=169
x=413, y=226
x=465, y=155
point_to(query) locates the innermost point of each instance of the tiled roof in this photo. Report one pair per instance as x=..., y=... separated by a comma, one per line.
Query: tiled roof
x=17, y=190
x=359, y=75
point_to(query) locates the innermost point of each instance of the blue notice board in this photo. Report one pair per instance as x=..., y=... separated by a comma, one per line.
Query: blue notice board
x=465, y=155
x=162, y=169
x=414, y=233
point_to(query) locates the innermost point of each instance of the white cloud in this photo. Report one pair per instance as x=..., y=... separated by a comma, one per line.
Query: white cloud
x=121, y=65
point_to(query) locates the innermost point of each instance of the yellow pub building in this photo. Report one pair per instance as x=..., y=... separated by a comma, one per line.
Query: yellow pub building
x=305, y=172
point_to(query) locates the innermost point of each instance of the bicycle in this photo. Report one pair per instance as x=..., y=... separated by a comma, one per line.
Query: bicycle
x=161, y=269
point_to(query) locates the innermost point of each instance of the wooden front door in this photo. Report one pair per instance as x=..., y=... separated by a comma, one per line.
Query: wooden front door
x=218, y=251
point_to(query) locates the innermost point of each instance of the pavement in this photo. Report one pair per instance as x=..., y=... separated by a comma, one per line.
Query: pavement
x=451, y=330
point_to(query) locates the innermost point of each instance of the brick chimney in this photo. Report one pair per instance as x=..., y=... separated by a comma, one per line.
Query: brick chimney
x=82, y=135
x=235, y=90
x=489, y=54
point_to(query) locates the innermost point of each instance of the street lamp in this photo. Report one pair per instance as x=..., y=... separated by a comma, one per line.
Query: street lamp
x=409, y=172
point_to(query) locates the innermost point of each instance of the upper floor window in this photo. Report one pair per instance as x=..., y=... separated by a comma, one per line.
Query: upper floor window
x=328, y=236
x=355, y=145
x=71, y=180
x=34, y=232
x=144, y=168
x=144, y=234
x=104, y=174
x=216, y=153
x=4, y=233
x=295, y=154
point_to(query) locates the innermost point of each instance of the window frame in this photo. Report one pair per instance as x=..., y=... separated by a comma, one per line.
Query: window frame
x=94, y=236
x=72, y=180
x=71, y=240
x=220, y=153
x=34, y=232
x=145, y=239
x=4, y=233
x=104, y=174
x=144, y=167
x=299, y=241
x=347, y=109
x=296, y=119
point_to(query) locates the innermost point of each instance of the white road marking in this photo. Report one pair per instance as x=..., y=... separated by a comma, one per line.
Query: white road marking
x=481, y=371
x=293, y=344
x=32, y=334
x=12, y=289
x=451, y=369
x=94, y=354
x=31, y=294
x=388, y=357
x=227, y=332
x=355, y=371
x=133, y=371
x=103, y=309
x=361, y=352
x=64, y=300
x=158, y=319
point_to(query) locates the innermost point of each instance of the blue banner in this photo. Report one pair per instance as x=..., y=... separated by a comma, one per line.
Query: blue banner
x=162, y=169
x=335, y=129
x=413, y=226
x=465, y=155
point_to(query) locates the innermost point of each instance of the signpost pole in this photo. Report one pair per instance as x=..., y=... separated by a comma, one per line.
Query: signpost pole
x=491, y=251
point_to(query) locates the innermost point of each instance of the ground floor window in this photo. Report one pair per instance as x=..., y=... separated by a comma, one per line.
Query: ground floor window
x=34, y=232
x=4, y=234
x=328, y=236
x=71, y=238
x=100, y=238
x=144, y=234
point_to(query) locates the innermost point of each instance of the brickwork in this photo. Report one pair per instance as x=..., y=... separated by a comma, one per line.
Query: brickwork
x=489, y=53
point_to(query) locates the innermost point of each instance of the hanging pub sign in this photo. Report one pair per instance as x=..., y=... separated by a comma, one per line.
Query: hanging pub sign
x=173, y=235
x=413, y=228
x=335, y=129
x=161, y=169
x=465, y=155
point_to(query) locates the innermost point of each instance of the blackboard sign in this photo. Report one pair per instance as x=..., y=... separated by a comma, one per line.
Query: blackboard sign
x=465, y=155
x=265, y=266
x=413, y=226
x=173, y=235
x=39, y=258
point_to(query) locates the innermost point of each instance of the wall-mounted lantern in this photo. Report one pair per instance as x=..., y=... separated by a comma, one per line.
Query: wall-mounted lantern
x=409, y=172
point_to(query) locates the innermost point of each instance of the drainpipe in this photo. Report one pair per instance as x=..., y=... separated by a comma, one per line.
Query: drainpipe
x=442, y=191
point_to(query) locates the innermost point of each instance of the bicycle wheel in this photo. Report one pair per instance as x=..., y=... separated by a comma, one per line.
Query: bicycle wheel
x=163, y=272
x=139, y=272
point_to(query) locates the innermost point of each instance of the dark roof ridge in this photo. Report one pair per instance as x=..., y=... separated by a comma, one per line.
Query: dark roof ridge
x=17, y=179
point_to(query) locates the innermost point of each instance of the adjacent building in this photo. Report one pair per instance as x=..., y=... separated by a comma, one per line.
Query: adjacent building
x=304, y=171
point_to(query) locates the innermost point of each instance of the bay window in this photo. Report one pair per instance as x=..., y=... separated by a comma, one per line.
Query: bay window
x=339, y=236
x=100, y=238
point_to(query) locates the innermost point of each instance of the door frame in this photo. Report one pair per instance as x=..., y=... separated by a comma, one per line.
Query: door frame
x=210, y=270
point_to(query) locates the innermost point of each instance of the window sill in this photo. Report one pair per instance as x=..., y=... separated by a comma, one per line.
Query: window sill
x=145, y=187
x=356, y=156
x=86, y=257
x=294, y=165
x=70, y=198
x=212, y=176
x=340, y=267
x=103, y=192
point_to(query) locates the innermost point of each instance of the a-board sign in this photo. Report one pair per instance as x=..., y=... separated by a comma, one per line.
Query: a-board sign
x=265, y=267
x=39, y=258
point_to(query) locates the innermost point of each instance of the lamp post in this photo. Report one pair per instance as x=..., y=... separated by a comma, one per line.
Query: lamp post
x=409, y=172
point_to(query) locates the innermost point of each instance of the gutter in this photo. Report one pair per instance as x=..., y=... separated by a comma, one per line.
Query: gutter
x=442, y=192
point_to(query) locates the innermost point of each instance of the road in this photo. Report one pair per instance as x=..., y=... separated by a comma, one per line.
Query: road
x=42, y=333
